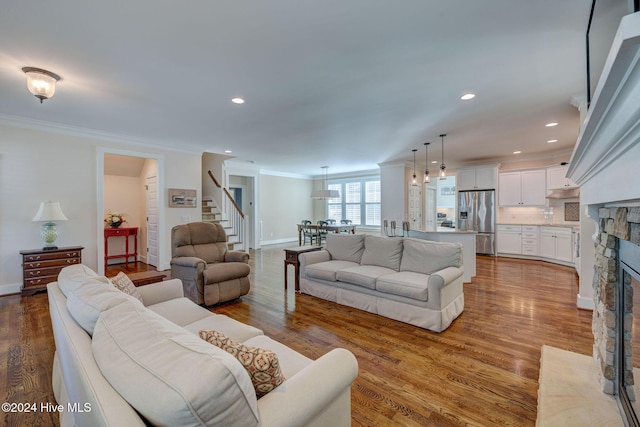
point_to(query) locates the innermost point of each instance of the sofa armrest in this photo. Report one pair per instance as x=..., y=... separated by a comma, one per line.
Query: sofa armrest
x=314, y=257
x=189, y=261
x=443, y=277
x=445, y=285
x=309, y=393
x=236, y=256
x=161, y=291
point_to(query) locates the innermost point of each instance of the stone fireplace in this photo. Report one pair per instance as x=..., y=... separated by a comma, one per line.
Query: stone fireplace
x=614, y=224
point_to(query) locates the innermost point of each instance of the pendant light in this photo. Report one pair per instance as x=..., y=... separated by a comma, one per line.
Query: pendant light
x=414, y=181
x=427, y=179
x=443, y=167
x=325, y=193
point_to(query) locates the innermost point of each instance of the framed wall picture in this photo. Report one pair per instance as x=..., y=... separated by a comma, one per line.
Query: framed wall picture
x=179, y=198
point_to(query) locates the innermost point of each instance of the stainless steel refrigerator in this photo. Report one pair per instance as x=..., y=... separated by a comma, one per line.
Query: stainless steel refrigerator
x=477, y=212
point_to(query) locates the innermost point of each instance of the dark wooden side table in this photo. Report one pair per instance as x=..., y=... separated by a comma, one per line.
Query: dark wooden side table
x=40, y=266
x=291, y=258
x=146, y=277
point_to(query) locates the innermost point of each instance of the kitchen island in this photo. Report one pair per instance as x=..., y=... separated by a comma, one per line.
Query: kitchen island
x=452, y=235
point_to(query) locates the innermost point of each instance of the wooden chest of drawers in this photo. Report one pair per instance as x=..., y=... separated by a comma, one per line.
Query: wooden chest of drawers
x=40, y=267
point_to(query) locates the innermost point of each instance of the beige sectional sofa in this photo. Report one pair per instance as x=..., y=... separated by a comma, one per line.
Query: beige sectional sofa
x=121, y=361
x=410, y=280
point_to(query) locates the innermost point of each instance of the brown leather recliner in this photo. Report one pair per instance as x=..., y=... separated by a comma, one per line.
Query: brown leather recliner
x=209, y=271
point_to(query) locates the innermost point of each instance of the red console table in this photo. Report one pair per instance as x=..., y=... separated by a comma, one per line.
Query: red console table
x=125, y=232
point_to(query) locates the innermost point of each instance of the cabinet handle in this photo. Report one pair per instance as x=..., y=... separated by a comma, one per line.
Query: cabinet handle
x=33, y=258
x=35, y=282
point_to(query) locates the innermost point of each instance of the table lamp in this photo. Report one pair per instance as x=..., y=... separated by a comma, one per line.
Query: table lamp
x=49, y=212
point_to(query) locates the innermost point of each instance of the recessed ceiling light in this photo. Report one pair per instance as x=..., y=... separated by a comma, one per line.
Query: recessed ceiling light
x=552, y=124
x=434, y=161
x=468, y=96
x=237, y=100
x=228, y=151
x=552, y=140
x=517, y=152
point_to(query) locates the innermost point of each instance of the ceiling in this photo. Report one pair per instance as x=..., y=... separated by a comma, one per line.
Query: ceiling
x=348, y=84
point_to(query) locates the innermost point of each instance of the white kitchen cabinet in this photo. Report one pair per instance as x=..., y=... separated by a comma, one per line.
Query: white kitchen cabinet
x=482, y=178
x=556, y=243
x=522, y=188
x=509, y=239
x=530, y=240
x=556, y=178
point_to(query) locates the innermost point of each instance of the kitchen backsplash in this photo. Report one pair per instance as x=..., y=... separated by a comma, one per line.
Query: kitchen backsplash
x=530, y=215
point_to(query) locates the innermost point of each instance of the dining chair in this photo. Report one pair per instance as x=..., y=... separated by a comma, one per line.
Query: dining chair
x=345, y=222
x=330, y=221
x=308, y=232
x=322, y=231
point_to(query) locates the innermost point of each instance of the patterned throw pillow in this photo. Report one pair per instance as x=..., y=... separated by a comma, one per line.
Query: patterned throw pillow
x=123, y=283
x=262, y=365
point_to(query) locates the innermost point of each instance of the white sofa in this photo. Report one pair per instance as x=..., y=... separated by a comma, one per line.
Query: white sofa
x=411, y=280
x=123, y=362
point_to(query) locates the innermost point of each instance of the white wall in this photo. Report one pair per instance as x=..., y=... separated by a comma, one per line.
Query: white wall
x=284, y=201
x=37, y=166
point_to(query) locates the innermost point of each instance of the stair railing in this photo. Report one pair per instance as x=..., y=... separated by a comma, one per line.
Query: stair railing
x=232, y=213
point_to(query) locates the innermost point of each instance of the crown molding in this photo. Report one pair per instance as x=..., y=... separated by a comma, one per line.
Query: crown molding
x=61, y=129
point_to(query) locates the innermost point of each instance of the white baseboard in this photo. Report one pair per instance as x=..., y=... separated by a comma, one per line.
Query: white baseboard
x=12, y=288
x=585, y=303
x=279, y=241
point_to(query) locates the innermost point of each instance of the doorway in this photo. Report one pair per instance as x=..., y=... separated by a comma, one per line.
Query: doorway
x=122, y=180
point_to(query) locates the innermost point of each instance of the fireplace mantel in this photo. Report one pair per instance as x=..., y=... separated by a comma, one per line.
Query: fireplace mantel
x=605, y=160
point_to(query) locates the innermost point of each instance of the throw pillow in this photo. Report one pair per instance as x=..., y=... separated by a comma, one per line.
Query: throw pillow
x=262, y=365
x=122, y=282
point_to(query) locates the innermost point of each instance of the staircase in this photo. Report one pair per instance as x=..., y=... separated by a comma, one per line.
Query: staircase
x=211, y=213
x=229, y=216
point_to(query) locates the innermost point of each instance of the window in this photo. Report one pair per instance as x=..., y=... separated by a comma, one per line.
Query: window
x=359, y=201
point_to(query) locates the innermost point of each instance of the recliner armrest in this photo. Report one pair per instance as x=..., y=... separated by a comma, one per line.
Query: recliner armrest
x=236, y=256
x=188, y=261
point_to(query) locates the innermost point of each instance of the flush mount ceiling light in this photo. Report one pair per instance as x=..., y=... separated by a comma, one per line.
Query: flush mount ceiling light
x=552, y=141
x=468, y=96
x=426, y=162
x=552, y=124
x=324, y=193
x=237, y=100
x=41, y=83
x=517, y=152
x=443, y=167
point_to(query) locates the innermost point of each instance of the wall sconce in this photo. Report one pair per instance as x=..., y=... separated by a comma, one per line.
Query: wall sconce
x=41, y=83
x=49, y=212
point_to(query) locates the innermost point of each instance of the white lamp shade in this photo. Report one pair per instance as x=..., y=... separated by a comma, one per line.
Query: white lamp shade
x=49, y=211
x=325, y=194
x=41, y=83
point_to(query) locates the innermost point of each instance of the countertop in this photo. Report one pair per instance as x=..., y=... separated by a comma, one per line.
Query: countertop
x=445, y=230
x=575, y=226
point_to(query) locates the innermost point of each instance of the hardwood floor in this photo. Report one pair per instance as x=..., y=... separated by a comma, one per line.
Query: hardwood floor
x=482, y=371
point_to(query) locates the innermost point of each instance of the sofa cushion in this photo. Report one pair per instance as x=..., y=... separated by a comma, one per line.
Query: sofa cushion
x=424, y=256
x=382, y=251
x=261, y=365
x=138, y=351
x=122, y=283
x=405, y=283
x=327, y=270
x=363, y=275
x=228, y=326
x=181, y=311
x=345, y=247
x=291, y=362
x=75, y=275
x=86, y=302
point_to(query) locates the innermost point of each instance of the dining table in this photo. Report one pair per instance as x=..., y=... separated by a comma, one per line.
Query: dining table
x=331, y=228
